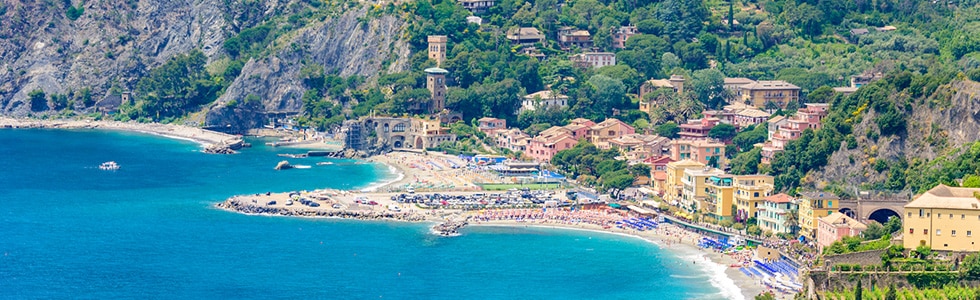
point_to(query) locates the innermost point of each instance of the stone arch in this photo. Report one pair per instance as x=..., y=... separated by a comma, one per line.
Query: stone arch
x=849, y=212
x=398, y=141
x=419, y=144
x=881, y=215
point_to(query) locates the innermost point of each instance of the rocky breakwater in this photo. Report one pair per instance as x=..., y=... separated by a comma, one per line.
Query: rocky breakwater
x=449, y=228
x=255, y=205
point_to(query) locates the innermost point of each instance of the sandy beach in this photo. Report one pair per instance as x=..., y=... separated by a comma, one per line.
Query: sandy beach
x=431, y=172
x=354, y=205
x=201, y=136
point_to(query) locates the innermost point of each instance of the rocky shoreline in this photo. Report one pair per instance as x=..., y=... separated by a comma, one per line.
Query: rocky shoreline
x=240, y=205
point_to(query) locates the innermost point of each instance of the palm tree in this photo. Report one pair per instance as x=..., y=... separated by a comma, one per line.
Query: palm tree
x=792, y=222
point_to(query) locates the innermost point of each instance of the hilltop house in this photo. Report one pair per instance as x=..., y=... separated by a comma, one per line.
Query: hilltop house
x=593, y=60
x=570, y=36
x=526, y=36
x=621, y=35
x=543, y=100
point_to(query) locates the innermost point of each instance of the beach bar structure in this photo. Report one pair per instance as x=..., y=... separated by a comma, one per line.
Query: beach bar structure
x=516, y=169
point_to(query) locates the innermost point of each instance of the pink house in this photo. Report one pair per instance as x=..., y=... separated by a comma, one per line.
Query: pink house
x=698, y=129
x=835, y=227
x=549, y=142
x=489, y=125
x=600, y=134
x=790, y=129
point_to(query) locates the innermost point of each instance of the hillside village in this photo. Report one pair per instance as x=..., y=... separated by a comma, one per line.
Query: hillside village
x=840, y=137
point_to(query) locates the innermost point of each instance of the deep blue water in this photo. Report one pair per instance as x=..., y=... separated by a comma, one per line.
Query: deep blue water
x=148, y=230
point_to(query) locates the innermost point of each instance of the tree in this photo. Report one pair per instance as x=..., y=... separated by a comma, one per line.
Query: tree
x=640, y=170
x=972, y=181
x=747, y=162
x=38, y=100
x=858, y=290
x=822, y=94
x=750, y=136
x=682, y=18
x=765, y=296
x=891, y=294
x=708, y=86
x=713, y=162
x=970, y=266
x=668, y=130
x=722, y=132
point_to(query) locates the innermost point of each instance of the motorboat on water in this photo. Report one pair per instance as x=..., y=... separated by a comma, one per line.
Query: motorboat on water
x=109, y=166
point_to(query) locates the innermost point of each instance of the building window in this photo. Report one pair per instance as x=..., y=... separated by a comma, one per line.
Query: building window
x=939, y=232
x=952, y=233
x=910, y=214
x=921, y=213
x=925, y=231
x=911, y=230
x=951, y=216
x=969, y=233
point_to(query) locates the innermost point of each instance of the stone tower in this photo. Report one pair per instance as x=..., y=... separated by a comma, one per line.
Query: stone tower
x=678, y=82
x=435, y=81
x=437, y=48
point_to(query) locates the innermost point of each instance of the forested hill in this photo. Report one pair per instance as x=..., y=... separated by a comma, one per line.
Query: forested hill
x=218, y=62
x=903, y=133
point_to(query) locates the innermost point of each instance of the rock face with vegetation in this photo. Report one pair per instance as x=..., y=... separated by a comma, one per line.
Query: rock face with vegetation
x=57, y=48
x=246, y=54
x=342, y=45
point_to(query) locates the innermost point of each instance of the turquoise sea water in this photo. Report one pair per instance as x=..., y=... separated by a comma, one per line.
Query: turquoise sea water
x=149, y=230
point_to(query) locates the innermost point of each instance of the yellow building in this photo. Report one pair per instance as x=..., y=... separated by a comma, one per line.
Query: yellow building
x=777, y=92
x=750, y=194
x=943, y=218
x=694, y=191
x=815, y=205
x=718, y=203
x=675, y=171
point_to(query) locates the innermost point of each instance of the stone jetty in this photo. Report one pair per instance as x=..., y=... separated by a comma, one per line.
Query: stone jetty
x=449, y=228
x=247, y=205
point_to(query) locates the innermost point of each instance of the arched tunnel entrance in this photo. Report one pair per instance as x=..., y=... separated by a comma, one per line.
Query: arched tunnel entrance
x=882, y=215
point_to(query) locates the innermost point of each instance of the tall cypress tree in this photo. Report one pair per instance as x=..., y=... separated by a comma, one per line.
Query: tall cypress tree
x=731, y=15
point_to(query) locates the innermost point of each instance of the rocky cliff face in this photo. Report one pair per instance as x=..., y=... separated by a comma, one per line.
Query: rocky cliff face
x=342, y=45
x=946, y=120
x=114, y=43
x=111, y=43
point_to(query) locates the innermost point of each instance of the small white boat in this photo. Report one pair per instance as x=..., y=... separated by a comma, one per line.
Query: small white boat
x=109, y=166
x=289, y=202
x=324, y=163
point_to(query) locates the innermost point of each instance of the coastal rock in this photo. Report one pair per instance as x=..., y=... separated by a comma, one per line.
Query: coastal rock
x=283, y=165
x=113, y=44
x=342, y=45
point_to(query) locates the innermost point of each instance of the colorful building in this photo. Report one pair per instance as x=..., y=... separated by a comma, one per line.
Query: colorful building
x=777, y=92
x=775, y=213
x=612, y=128
x=943, y=218
x=489, y=125
x=698, y=150
x=719, y=192
x=835, y=227
x=750, y=193
x=673, y=187
x=809, y=117
x=622, y=34
x=694, y=188
x=815, y=205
